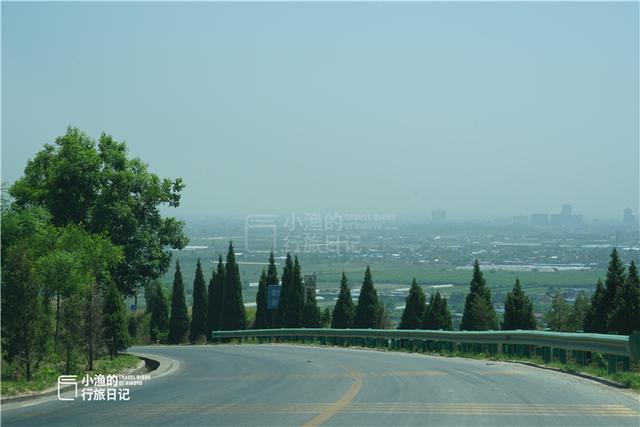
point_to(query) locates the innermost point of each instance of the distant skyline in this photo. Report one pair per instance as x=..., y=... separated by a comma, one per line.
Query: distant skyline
x=484, y=110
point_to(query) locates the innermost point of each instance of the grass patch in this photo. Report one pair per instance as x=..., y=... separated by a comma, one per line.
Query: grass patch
x=13, y=384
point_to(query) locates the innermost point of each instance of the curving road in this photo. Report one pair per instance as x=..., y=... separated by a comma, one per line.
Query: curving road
x=282, y=385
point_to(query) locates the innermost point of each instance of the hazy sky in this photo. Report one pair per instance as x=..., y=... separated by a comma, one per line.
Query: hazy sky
x=487, y=109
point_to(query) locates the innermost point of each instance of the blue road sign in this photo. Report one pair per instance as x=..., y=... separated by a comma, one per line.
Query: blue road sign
x=273, y=296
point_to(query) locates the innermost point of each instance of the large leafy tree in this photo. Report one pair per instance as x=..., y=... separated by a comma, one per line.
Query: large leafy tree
x=198, y=327
x=436, y=314
x=369, y=311
x=625, y=316
x=295, y=298
x=95, y=184
x=344, y=310
x=263, y=317
x=216, y=284
x=413, y=313
x=479, y=313
x=233, y=315
x=518, y=310
x=179, y=319
x=595, y=320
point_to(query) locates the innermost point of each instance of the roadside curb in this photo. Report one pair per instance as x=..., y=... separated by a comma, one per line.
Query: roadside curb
x=144, y=365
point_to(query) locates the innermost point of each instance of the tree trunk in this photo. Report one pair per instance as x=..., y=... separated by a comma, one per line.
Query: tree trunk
x=57, y=318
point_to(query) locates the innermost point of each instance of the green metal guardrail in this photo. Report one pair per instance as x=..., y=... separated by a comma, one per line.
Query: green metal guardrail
x=619, y=349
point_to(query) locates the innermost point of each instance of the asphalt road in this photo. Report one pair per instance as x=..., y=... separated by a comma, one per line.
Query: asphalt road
x=282, y=385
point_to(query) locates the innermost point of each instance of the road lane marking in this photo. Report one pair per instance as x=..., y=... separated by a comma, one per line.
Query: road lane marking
x=336, y=407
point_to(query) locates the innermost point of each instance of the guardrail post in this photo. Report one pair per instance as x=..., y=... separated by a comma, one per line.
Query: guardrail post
x=562, y=354
x=546, y=354
x=613, y=363
x=626, y=366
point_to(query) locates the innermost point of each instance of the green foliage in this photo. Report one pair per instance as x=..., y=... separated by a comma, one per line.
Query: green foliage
x=595, y=320
x=311, y=317
x=558, y=317
x=369, y=311
x=179, y=319
x=272, y=279
x=578, y=312
x=199, y=311
x=436, y=314
x=478, y=313
x=325, y=318
x=263, y=317
x=233, y=316
x=414, y=308
x=625, y=313
x=115, y=321
x=344, y=310
x=518, y=310
x=158, y=307
x=295, y=298
x=93, y=184
x=25, y=325
x=216, y=285
x=615, y=279
x=287, y=278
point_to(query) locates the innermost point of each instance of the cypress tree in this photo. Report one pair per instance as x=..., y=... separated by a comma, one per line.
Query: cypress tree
x=595, y=320
x=233, y=314
x=263, y=317
x=115, y=320
x=369, y=309
x=159, y=322
x=215, y=298
x=198, y=327
x=272, y=279
x=311, y=312
x=615, y=279
x=295, y=299
x=437, y=315
x=287, y=277
x=578, y=312
x=325, y=319
x=179, y=319
x=344, y=310
x=413, y=314
x=478, y=315
x=625, y=315
x=558, y=317
x=518, y=310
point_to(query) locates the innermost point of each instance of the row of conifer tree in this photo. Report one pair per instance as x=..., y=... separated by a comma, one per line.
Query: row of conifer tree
x=614, y=306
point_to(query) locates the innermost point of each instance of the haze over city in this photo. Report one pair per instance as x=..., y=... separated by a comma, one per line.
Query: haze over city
x=483, y=110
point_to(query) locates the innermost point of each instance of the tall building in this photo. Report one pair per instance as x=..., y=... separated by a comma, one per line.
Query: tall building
x=628, y=217
x=567, y=210
x=438, y=216
x=540, y=220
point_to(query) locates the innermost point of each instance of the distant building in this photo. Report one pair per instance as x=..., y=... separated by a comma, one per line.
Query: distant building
x=628, y=217
x=565, y=218
x=540, y=220
x=438, y=216
x=521, y=220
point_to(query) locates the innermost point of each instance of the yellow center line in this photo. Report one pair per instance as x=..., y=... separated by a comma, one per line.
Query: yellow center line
x=336, y=407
